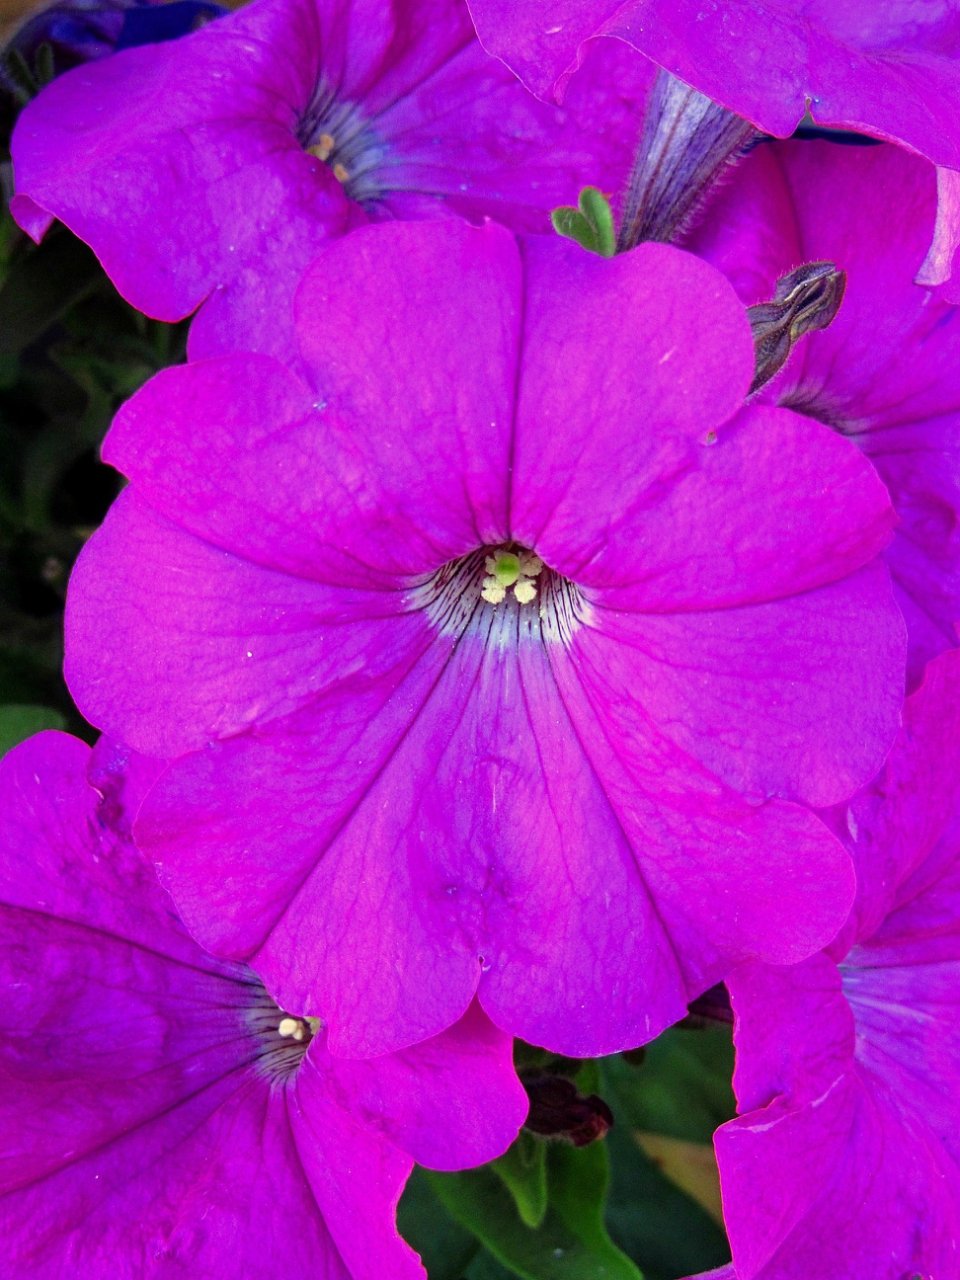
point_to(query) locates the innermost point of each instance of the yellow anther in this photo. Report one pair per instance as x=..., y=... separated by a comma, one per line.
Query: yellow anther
x=340, y=172
x=506, y=569
x=323, y=147
x=492, y=591
x=298, y=1028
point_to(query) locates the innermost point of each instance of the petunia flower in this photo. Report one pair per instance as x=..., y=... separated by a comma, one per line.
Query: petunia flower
x=886, y=373
x=846, y=1159
x=161, y=1115
x=890, y=70
x=217, y=164
x=498, y=656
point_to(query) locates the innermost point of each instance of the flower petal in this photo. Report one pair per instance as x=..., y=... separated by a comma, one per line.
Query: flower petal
x=240, y=643
x=194, y=188
x=451, y=1101
x=799, y=698
x=601, y=423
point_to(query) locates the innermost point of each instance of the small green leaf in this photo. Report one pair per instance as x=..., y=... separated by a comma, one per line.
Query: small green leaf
x=571, y=1242
x=572, y=225
x=20, y=721
x=44, y=64
x=590, y=224
x=595, y=207
x=523, y=1170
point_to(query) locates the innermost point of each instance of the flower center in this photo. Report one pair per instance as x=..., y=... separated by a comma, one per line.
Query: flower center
x=500, y=592
x=338, y=134
x=510, y=569
x=298, y=1029
x=282, y=1038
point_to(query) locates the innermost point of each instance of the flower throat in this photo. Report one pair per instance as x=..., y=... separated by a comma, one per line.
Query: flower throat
x=500, y=592
x=338, y=134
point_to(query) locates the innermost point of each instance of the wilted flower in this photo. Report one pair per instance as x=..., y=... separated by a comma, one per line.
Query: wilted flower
x=513, y=637
x=160, y=1114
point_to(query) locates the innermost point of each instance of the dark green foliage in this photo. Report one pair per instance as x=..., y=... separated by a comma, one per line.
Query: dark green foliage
x=70, y=352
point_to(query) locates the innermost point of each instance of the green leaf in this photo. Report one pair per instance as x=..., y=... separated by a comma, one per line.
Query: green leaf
x=41, y=286
x=595, y=207
x=19, y=721
x=572, y=225
x=571, y=1242
x=590, y=224
x=486, y=1267
x=44, y=64
x=682, y=1087
x=662, y=1229
x=523, y=1170
x=446, y=1248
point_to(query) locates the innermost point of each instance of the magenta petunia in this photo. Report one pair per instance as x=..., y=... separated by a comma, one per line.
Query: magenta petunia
x=160, y=1114
x=502, y=651
x=886, y=373
x=216, y=164
x=846, y=1161
x=890, y=70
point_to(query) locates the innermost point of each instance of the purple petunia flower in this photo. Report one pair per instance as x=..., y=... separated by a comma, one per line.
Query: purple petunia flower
x=846, y=1161
x=886, y=373
x=217, y=164
x=890, y=70
x=161, y=1115
x=513, y=636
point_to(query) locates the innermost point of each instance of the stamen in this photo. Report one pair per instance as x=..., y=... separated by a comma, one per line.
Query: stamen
x=323, y=147
x=492, y=592
x=282, y=1039
x=336, y=132
x=458, y=597
x=507, y=569
x=298, y=1029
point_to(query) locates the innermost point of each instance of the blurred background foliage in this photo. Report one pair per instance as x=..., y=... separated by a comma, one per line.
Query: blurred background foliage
x=70, y=352
x=614, y=1177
